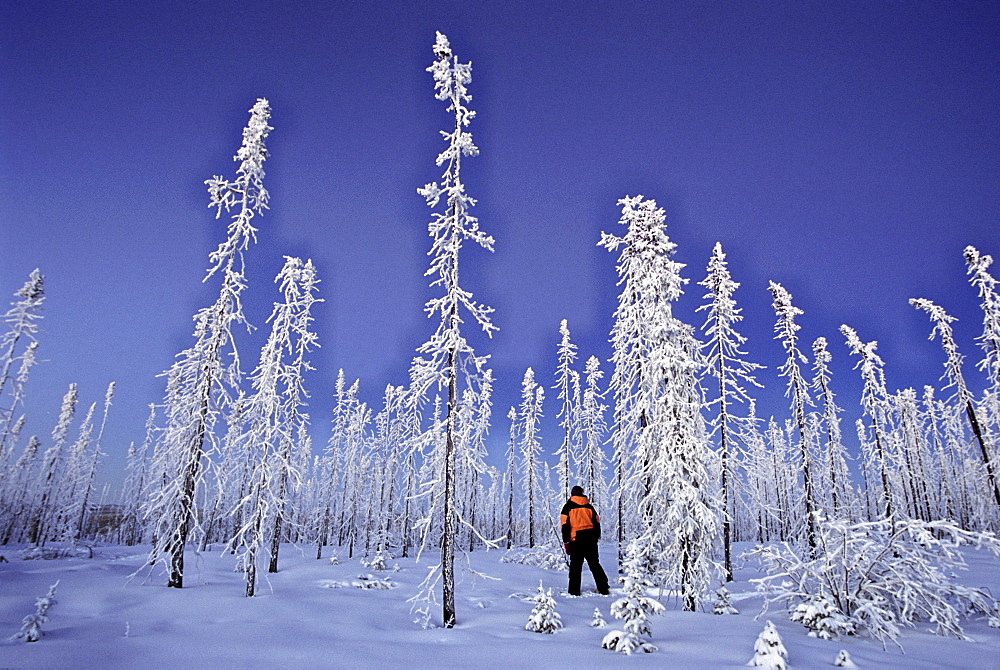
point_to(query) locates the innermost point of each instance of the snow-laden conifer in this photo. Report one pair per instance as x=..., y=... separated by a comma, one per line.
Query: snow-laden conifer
x=22, y=324
x=733, y=374
x=836, y=475
x=768, y=650
x=450, y=359
x=31, y=629
x=598, y=620
x=649, y=281
x=544, y=618
x=820, y=615
x=17, y=502
x=200, y=382
x=723, y=604
x=532, y=396
x=509, y=479
x=661, y=441
x=980, y=277
x=874, y=401
x=87, y=479
x=843, y=660
x=593, y=428
x=635, y=607
x=953, y=375
x=568, y=383
x=786, y=330
x=48, y=481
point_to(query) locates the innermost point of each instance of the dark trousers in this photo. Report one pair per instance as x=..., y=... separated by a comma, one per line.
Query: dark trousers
x=579, y=551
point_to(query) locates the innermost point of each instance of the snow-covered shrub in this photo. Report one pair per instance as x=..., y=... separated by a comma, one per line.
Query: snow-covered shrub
x=843, y=660
x=635, y=609
x=52, y=553
x=544, y=618
x=722, y=604
x=31, y=630
x=881, y=574
x=768, y=651
x=548, y=558
x=598, y=620
x=334, y=560
x=376, y=563
x=822, y=618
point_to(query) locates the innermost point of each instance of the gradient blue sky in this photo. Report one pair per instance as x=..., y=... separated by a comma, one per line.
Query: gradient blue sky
x=848, y=150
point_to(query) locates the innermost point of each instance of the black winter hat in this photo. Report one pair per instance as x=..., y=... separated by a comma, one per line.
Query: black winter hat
x=577, y=491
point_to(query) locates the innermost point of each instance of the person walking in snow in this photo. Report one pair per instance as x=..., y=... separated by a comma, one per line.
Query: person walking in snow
x=581, y=530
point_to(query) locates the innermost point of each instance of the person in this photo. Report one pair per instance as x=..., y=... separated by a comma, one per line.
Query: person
x=581, y=530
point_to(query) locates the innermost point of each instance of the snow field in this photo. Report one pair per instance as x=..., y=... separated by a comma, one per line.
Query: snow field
x=296, y=620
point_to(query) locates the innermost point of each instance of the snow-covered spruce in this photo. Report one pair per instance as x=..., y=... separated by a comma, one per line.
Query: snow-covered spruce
x=666, y=495
x=768, y=650
x=822, y=618
x=21, y=320
x=843, y=660
x=598, y=620
x=882, y=575
x=200, y=383
x=447, y=361
x=544, y=618
x=732, y=375
x=634, y=609
x=31, y=629
x=722, y=603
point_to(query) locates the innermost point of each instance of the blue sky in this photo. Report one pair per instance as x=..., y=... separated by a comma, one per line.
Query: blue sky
x=849, y=151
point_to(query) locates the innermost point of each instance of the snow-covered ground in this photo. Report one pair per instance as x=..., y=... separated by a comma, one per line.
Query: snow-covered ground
x=312, y=614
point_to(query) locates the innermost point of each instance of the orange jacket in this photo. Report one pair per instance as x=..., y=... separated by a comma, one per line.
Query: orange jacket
x=579, y=515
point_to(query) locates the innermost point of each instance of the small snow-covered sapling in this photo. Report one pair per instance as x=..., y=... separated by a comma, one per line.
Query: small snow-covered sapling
x=598, y=621
x=544, y=618
x=843, y=660
x=723, y=605
x=821, y=616
x=31, y=630
x=768, y=651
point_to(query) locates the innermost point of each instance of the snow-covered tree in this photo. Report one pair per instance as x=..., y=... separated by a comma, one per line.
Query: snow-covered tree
x=48, y=482
x=660, y=434
x=568, y=383
x=843, y=660
x=31, y=629
x=786, y=330
x=882, y=574
x=532, y=396
x=593, y=428
x=732, y=375
x=874, y=402
x=980, y=277
x=199, y=382
x=635, y=607
x=836, y=479
x=510, y=477
x=820, y=615
x=22, y=324
x=450, y=359
x=953, y=375
x=598, y=620
x=768, y=650
x=723, y=603
x=544, y=618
